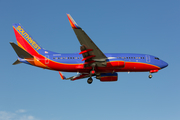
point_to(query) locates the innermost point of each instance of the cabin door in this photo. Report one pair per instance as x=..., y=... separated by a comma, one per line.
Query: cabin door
x=46, y=59
x=147, y=58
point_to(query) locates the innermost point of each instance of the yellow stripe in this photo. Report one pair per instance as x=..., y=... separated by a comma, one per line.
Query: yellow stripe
x=21, y=46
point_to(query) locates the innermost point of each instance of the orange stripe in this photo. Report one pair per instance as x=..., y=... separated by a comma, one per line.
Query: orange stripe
x=38, y=63
x=21, y=46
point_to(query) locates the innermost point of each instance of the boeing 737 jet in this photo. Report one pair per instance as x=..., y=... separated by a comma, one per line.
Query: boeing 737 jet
x=90, y=62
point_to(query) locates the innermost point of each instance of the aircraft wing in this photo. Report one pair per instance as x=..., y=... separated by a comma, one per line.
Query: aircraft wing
x=79, y=76
x=89, y=50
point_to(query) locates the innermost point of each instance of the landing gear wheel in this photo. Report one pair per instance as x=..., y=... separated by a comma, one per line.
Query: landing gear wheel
x=150, y=76
x=90, y=80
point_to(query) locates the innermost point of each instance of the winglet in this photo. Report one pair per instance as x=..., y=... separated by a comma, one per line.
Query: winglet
x=72, y=22
x=62, y=76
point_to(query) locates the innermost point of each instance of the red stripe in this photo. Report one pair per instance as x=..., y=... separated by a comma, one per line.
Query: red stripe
x=129, y=66
x=72, y=24
x=61, y=75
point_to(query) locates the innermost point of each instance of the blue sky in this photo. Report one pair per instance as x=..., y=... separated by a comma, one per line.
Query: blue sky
x=148, y=27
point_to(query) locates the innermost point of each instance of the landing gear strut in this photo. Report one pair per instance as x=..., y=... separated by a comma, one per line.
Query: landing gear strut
x=90, y=80
x=92, y=72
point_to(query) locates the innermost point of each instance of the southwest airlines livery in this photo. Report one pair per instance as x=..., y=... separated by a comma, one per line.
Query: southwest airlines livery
x=90, y=62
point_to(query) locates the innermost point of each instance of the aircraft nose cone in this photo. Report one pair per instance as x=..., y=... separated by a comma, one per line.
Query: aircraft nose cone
x=164, y=64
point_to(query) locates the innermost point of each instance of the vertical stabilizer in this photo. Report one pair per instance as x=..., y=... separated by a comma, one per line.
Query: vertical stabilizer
x=25, y=41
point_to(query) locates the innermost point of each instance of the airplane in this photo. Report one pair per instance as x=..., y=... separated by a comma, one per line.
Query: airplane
x=90, y=62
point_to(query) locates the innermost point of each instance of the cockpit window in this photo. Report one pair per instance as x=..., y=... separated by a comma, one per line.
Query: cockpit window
x=157, y=58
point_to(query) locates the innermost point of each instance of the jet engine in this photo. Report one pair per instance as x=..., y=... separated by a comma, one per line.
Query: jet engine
x=107, y=77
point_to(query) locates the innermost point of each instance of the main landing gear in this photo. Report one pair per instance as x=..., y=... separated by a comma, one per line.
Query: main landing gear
x=90, y=80
x=92, y=72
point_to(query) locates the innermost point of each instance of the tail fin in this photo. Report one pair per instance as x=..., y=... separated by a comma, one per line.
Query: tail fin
x=25, y=41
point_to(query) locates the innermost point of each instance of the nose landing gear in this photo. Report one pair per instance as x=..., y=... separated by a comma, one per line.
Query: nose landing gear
x=150, y=75
x=152, y=71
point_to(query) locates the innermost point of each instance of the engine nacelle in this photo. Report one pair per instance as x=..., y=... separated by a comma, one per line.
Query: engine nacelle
x=107, y=77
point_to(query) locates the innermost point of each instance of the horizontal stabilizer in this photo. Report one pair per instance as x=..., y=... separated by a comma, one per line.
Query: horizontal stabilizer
x=16, y=62
x=79, y=76
x=20, y=52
